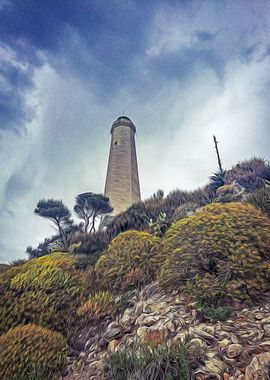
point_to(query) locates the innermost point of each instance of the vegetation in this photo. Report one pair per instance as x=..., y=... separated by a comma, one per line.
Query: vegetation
x=250, y=174
x=151, y=362
x=129, y=250
x=58, y=213
x=31, y=352
x=89, y=207
x=261, y=199
x=98, y=306
x=39, y=290
x=228, y=241
x=159, y=226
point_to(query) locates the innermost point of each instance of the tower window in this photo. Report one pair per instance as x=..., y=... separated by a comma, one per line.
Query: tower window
x=116, y=142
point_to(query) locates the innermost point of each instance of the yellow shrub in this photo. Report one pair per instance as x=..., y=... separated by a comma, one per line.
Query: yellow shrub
x=229, y=241
x=31, y=352
x=99, y=305
x=129, y=250
x=45, y=291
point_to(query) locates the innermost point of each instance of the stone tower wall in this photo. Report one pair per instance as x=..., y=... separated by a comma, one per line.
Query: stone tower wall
x=122, y=181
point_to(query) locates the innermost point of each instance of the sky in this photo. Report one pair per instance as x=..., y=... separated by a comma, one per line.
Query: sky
x=181, y=70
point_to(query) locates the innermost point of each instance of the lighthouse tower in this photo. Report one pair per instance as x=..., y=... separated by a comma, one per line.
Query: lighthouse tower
x=122, y=181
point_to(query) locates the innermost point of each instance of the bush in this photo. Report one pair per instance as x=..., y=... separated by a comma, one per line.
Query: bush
x=150, y=362
x=228, y=241
x=44, y=291
x=88, y=244
x=31, y=352
x=129, y=250
x=98, y=306
x=261, y=200
x=183, y=211
x=250, y=173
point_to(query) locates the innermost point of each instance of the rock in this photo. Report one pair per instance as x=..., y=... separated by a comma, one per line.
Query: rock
x=128, y=317
x=114, y=330
x=146, y=320
x=267, y=330
x=234, y=350
x=259, y=368
x=197, y=342
x=223, y=343
x=216, y=366
x=113, y=344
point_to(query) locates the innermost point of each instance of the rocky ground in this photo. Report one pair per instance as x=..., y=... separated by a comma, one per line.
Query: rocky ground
x=236, y=349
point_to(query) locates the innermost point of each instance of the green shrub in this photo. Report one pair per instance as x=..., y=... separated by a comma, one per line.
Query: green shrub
x=31, y=352
x=129, y=250
x=165, y=361
x=98, y=306
x=261, y=199
x=44, y=291
x=229, y=241
x=159, y=226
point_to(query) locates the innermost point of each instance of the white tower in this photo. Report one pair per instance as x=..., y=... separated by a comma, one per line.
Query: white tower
x=122, y=181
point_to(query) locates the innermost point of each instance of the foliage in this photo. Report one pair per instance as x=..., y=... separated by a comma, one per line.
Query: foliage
x=90, y=206
x=261, y=199
x=135, y=217
x=129, y=250
x=159, y=226
x=4, y=267
x=58, y=213
x=229, y=241
x=250, y=173
x=98, y=306
x=135, y=278
x=150, y=362
x=211, y=296
x=217, y=179
x=91, y=245
x=39, y=290
x=183, y=211
x=31, y=352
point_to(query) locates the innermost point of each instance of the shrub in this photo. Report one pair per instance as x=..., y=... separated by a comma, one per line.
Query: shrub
x=260, y=199
x=135, y=217
x=135, y=278
x=250, y=173
x=88, y=244
x=44, y=291
x=4, y=267
x=217, y=179
x=150, y=362
x=159, y=226
x=98, y=306
x=129, y=250
x=31, y=352
x=183, y=211
x=229, y=241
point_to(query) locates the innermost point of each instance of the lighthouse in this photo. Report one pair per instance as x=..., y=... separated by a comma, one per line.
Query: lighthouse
x=122, y=181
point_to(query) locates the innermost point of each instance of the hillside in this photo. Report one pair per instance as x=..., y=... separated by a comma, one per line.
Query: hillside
x=175, y=287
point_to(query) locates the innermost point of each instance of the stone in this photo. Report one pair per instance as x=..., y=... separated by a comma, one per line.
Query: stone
x=146, y=320
x=234, y=350
x=197, y=342
x=259, y=368
x=113, y=344
x=224, y=342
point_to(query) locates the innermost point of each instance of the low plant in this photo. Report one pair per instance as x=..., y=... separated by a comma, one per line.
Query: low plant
x=260, y=199
x=39, y=290
x=149, y=362
x=159, y=226
x=31, y=352
x=98, y=306
x=129, y=250
x=229, y=241
x=135, y=278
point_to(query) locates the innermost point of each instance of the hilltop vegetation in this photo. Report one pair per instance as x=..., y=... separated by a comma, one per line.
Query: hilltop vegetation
x=210, y=246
